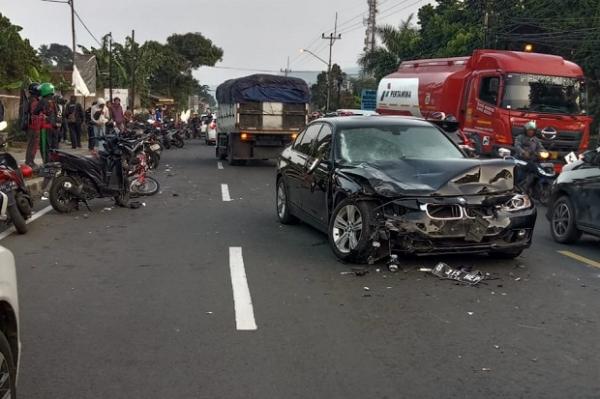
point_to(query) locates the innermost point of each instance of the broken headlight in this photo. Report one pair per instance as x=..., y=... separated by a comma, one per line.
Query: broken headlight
x=517, y=203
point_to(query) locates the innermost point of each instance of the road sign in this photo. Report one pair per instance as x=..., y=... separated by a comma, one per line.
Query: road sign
x=368, y=100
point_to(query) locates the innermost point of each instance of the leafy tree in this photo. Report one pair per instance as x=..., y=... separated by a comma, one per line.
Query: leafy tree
x=196, y=49
x=340, y=98
x=19, y=61
x=56, y=55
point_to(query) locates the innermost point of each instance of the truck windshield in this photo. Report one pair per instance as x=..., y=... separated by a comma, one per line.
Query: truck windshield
x=544, y=94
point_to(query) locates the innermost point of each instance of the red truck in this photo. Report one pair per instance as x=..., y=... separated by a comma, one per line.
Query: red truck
x=493, y=94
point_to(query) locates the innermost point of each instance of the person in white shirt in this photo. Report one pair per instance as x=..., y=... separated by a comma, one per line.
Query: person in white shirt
x=100, y=117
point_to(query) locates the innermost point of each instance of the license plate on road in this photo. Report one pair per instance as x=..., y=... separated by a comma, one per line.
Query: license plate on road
x=155, y=147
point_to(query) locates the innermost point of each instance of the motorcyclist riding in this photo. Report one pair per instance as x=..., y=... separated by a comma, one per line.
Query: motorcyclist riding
x=527, y=147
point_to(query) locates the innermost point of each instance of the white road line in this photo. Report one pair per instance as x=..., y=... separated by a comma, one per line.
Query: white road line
x=225, y=193
x=220, y=165
x=244, y=312
x=33, y=218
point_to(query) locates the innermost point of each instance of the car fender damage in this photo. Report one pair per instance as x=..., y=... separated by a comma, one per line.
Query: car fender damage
x=469, y=212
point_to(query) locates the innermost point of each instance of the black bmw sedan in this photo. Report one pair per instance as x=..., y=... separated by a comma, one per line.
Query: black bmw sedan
x=381, y=185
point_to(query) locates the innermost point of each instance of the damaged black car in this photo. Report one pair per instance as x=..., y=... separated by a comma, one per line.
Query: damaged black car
x=392, y=185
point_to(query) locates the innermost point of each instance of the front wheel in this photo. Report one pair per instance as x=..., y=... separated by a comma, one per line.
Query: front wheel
x=8, y=370
x=351, y=230
x=283, y=207
x=61, y=198
x=17, y=219
x=153, y=159
x=563, y=225
x=179, y=142
x=150, y=186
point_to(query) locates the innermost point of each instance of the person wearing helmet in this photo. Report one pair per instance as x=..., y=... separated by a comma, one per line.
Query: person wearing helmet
x=46, y=109
x=527, y=147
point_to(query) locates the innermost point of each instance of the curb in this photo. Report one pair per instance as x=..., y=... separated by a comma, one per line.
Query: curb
x=35, y=186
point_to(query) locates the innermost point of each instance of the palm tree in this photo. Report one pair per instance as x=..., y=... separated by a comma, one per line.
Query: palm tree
x=398, y=44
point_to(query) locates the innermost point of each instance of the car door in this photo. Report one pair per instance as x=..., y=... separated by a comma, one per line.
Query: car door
x=587, y=199
x=296, y=168
x=315, y=184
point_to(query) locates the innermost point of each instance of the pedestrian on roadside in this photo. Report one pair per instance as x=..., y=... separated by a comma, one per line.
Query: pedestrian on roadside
x=117, y=114
x=100, y=117
x=74, y=116
x=33, y=123
x=47, y=111
x=90, y=126
x=62, y=120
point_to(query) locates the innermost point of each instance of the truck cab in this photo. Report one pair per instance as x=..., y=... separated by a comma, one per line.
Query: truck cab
x=493, y=94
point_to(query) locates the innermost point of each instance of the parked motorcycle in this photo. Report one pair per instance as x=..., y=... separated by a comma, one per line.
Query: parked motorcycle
x=172, y=136
x=78, y=179
x=139, y=182
x=16, y=202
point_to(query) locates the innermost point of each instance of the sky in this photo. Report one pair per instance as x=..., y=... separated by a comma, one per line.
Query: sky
x=255, y=35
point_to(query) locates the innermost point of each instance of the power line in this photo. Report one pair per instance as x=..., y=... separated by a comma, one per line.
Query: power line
x=87, y=29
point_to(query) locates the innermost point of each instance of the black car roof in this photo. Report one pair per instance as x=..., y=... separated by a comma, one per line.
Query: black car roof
x=374, y=121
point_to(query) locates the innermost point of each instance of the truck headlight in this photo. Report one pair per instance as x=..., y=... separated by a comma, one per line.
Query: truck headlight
x=517, y=203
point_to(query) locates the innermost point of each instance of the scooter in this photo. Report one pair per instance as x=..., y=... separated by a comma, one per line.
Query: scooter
x=78, y=179
x=16, y=203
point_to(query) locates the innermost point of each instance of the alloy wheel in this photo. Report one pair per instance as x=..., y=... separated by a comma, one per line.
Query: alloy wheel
x=5, y=390
x=281, y=200
x=347, y=228
x=561, y=219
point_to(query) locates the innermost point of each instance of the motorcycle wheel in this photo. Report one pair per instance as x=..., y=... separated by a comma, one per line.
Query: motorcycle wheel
x=61, y=200
x=149, y=187
x=543, y=192
x=179, y=142
x=17, y=219
x=122, y=199
x=153, y=159
x=167, y=144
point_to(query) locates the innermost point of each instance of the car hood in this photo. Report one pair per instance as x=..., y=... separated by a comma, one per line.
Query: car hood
x=417, y=177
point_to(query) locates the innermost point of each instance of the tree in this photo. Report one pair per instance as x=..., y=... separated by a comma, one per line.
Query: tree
x=19, y=62
x=398, y=44
x=196, y=49
x=340, y=97
x=56, y=55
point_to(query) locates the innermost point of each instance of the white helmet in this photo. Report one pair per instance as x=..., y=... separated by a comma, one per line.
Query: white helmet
x=101, y=101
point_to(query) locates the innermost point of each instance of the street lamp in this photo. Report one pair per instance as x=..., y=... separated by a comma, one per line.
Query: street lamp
x=303, y=50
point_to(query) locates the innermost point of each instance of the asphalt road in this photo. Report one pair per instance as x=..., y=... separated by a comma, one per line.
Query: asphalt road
x=121, y=303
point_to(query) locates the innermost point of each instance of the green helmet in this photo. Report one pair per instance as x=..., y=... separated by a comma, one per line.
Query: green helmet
x=531, y=125
x=46, y=89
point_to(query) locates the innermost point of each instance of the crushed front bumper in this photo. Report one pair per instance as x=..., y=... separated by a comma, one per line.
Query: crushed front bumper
x=453, y=226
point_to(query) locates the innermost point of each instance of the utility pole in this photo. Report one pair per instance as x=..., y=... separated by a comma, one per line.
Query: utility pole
x=133, y=68
x=71, y=3
x=332, y=37
x=287, y=70
x=371, y=23
x=110, y=86
x=486, y=25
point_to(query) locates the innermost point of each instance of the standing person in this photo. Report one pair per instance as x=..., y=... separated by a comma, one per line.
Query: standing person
x=46, y=109
x=117, y=114
x=61, y=119
x=100, y=117
x=33, y=124
x=90, y=126
x=74, y=116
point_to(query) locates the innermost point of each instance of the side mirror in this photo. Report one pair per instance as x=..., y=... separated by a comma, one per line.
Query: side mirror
x=3, y=125
x=313, y=166
x=504, y=153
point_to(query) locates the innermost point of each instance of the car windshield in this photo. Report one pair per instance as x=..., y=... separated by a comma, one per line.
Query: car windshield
x=545, y=94
x=391, y=143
